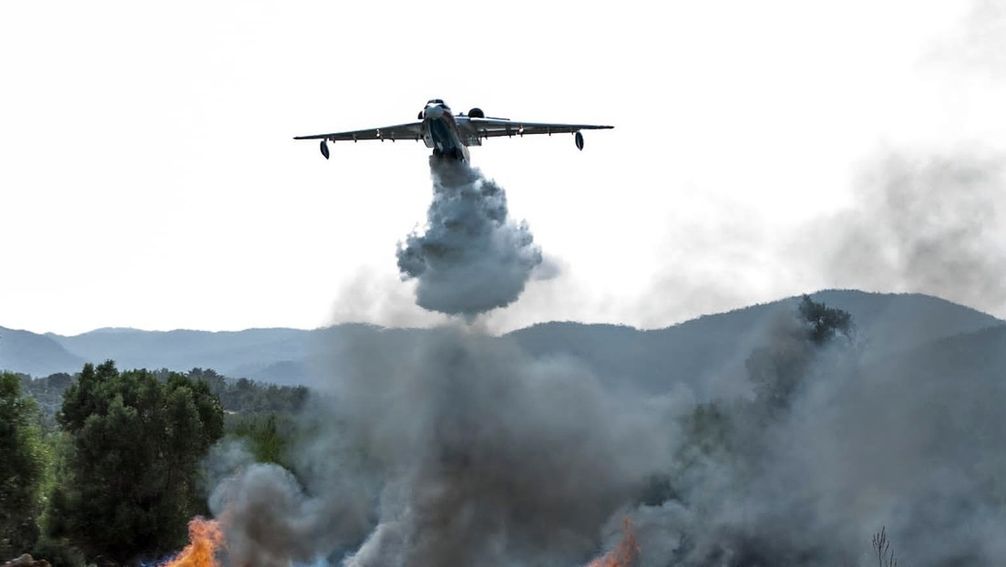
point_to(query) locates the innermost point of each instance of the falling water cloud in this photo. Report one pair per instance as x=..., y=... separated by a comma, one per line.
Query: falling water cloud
x=470, y=257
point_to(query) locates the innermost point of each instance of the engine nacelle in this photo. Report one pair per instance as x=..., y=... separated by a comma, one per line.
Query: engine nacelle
x=324, y=148
x=578, y=137
x=476, y=113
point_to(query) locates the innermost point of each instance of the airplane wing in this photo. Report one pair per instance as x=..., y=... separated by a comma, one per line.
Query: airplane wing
x=410, y=131
x=495, y=127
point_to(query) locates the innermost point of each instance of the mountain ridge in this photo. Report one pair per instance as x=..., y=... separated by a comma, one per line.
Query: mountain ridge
x=701, y=351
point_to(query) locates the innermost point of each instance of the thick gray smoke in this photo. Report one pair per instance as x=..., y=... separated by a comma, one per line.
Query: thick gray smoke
x=471, y=257
x=827, y=451
x=447, y=447
x=931, y=225
x=494, y=458
x=269, y=521
x=462, y=449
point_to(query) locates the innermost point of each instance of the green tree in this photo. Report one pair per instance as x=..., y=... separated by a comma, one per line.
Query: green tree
x=823, y=323
x=22, y=465
x=267, y=435
x=778, y=369
x=133, y=474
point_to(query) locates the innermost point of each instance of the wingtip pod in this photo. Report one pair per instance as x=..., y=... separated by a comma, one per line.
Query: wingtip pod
x=324, y=148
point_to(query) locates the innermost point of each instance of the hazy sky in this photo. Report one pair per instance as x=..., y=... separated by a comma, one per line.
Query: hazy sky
x=148, y=177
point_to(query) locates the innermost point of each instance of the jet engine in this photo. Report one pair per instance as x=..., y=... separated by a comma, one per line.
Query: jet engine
x=324, y=148
x=476, y=113
x=578, y=137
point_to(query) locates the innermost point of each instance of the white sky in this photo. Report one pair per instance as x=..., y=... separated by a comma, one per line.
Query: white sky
x=148, y=177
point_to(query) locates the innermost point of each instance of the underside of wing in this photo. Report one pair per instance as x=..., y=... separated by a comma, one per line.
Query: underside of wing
x=494, y=128
x=411, y=131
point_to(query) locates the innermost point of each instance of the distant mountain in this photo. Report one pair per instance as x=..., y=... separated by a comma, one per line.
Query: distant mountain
x=705, y=353
x=274, y=355
x=711, y=350
x=979, y=355
x=38, y=355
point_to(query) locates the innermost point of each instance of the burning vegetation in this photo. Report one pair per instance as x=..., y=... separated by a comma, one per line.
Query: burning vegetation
x=625, y=554
x=205, y=541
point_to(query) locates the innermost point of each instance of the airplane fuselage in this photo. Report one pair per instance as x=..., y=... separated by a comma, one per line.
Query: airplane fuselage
x=442, y=134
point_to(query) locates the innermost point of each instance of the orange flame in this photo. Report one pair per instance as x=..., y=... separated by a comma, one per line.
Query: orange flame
x=205, y=537
x=627, y=552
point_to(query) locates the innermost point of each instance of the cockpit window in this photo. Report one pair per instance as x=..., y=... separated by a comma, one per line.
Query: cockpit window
x=434, y=101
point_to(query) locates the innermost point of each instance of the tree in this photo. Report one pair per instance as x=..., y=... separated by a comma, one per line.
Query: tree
x=823, y=323
x=133, y=475
x=778, y=369
x=267, y=435
x=21, y=467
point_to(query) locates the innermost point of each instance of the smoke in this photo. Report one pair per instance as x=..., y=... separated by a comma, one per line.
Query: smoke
x=269, y=520
x=922, y=221
x=905, y=443
x=448, y=447
x=490, y=457
x=922, y=225
x=979, y=43
x=471, y=257
x=456, y=449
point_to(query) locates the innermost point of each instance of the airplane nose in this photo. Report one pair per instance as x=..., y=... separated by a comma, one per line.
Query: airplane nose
x=434, y=112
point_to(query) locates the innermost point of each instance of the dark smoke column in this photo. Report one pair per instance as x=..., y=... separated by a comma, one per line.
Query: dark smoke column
x=471, y=257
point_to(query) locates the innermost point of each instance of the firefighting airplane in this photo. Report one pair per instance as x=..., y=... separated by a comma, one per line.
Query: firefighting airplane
x=450, y=135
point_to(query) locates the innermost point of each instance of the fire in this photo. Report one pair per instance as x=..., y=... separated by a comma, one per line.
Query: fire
x=627, y=552
x=205, y=537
